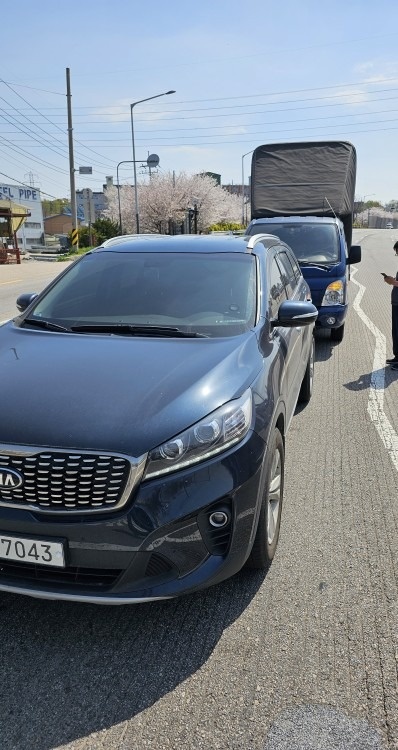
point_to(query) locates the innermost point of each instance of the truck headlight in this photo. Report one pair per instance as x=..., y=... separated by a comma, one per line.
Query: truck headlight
x=334, y=294
x=220, y=430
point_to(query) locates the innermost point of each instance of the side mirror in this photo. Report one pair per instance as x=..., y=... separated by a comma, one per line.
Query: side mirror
x=24, y=300
x=354, y=255
x=294, y=314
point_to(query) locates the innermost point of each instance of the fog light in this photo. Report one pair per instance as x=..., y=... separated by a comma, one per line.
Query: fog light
x=218, y=519
x=330, y=321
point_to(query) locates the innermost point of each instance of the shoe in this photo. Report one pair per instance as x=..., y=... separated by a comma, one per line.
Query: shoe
x=392, y=361
x=394, y=367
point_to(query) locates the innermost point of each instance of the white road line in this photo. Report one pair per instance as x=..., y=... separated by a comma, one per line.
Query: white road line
x=377, y=381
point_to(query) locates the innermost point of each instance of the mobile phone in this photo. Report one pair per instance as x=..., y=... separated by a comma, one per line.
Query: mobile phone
x=384, y=274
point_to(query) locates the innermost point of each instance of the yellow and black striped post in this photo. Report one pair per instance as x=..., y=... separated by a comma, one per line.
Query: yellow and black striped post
x=75, y=238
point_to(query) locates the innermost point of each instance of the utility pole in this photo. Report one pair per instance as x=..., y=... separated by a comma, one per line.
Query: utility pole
x=75, y=239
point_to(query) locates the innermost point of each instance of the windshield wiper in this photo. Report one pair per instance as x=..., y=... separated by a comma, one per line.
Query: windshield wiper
x=47, y=324
x=317, y=265
x=137, y=330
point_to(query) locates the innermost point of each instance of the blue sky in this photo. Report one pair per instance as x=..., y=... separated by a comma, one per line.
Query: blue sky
x=244, y=73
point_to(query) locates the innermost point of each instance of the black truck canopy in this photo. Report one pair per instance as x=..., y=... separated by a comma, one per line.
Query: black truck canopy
x=304, y=179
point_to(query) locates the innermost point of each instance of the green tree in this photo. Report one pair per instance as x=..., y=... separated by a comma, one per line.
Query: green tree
x=101, y=230
x=54, y=207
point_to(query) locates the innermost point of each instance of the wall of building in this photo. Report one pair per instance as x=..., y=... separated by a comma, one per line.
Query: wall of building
x=98, y=200
x=31, y=232
x=58, y=224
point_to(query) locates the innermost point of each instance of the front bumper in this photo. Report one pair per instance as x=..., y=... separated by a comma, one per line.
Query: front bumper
x=160, y=545
x=326, y=314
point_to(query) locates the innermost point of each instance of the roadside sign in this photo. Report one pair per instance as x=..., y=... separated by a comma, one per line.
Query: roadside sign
x=74, y=237
x=152, y=161
x=85, y=170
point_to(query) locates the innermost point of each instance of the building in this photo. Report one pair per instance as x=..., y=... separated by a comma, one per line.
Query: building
x=237, y=190
x=32, y=231
x=59, y=224
x=98, y=199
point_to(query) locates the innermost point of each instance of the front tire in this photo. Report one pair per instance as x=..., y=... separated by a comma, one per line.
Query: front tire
x=337, y=334
x=267, y=534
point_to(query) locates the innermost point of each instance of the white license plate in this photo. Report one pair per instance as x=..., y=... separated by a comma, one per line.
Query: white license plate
x=41, y=552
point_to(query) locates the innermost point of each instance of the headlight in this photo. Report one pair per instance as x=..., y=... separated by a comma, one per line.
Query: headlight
x=217, y=432
x=334, y=294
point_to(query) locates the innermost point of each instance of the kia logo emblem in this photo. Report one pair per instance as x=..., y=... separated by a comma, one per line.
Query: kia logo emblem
x=10, y=479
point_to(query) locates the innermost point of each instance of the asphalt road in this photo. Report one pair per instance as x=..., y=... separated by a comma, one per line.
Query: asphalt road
x=304, y=658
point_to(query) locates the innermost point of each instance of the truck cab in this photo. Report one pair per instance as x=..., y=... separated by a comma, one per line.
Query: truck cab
x=303, y=192
x=320, y=247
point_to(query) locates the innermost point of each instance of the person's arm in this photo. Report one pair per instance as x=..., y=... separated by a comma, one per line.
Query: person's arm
x=390, y=280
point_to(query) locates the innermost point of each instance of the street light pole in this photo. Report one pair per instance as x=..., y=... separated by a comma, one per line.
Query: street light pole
x=243, y=187
x=125, y=161
x=137, y=213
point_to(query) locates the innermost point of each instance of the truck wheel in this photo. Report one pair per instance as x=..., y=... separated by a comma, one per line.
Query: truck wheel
x=337, y=334
x=308, y=379
x=267, y=534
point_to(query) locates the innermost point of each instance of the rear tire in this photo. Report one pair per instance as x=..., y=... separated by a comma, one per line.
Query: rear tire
x=337, y=334
x=308, y=379
x=267, y=534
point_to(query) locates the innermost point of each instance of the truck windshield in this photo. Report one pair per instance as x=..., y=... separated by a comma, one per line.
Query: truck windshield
x=310, y=242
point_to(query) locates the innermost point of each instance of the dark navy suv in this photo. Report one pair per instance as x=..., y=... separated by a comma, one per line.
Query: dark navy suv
x=145, y=398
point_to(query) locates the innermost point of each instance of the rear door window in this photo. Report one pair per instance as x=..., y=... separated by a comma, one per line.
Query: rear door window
x=287, y=273
x=277, y=291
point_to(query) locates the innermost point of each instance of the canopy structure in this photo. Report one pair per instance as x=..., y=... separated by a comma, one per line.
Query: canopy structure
x=12, y=216
x=314, y=178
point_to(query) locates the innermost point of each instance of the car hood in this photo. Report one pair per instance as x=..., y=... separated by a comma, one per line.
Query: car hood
x=321, y=276
x=114, y=393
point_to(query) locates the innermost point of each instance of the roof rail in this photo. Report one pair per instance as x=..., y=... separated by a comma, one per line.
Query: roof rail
x=257, y=237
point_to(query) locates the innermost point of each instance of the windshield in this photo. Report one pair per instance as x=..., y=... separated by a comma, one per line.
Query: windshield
x=213, y=294
x=310, y=242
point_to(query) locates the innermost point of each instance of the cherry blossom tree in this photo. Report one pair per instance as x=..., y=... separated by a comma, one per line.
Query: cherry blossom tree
x=169, y=196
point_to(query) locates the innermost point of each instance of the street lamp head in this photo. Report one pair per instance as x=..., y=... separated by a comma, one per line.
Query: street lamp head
x=170, y=92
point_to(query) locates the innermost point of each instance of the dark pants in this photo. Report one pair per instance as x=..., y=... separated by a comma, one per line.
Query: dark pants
x=394, y=316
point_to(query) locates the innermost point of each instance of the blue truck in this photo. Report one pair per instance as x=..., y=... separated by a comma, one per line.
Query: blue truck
x=304, y=194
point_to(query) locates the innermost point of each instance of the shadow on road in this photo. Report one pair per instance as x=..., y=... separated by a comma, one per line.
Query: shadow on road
x=378, y=379
x=69, y=669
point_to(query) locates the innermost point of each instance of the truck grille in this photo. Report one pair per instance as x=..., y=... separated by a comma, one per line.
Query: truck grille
x=56, y=481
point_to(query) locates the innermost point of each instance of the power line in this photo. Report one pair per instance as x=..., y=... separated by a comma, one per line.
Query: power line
x=63, y=146
x=248, y=96
x=218, y=143
x=25, y=185
x=218, y=127
x=235, y=106
x=13, y=161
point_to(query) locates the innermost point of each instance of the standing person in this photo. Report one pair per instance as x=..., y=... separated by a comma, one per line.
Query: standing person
x=394, y=315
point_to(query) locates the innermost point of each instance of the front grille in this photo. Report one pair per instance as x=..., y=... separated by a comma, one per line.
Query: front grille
x=92, y=578
x=66, y=481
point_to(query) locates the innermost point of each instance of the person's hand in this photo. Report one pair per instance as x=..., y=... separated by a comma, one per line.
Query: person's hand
x=389, y=280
